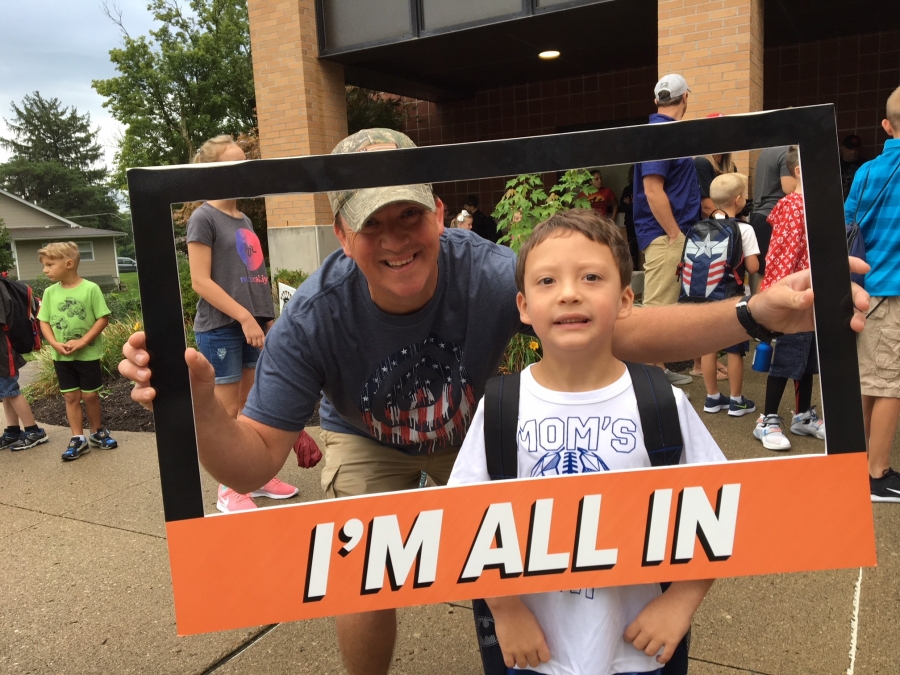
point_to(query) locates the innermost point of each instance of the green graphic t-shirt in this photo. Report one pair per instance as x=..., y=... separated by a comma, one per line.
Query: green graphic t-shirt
x=71, y=312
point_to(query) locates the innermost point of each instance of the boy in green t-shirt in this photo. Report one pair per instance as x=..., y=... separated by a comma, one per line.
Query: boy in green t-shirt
x=73, y=315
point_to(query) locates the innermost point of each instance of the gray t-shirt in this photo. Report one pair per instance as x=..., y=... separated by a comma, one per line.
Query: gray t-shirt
x=237, y=265
x=411, y=382
x=770, y=167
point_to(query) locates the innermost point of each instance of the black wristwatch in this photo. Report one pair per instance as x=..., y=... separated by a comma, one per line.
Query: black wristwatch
x=750, y=325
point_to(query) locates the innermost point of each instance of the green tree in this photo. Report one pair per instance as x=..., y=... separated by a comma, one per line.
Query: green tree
x=6, y=257
x=190, y=80
x=368, y=109
x=55, y=161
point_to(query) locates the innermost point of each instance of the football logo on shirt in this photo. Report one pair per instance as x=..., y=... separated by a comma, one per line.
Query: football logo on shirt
x=419, y=395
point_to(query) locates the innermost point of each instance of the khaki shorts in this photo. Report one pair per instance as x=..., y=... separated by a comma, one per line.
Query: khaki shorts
x=878, y=347
x=661, y=286
x=356, y=465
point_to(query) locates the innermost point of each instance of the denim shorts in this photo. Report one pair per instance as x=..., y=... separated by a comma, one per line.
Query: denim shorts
x=227, y=350
x=9, y=387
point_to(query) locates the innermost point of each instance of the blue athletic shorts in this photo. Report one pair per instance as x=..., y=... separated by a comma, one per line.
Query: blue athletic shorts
x=227, y=350
x=9, y=387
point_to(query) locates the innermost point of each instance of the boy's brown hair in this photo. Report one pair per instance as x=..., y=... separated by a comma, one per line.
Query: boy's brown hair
x=592, y=225
x=792, y=159
x=726, y=188
x=61, y=250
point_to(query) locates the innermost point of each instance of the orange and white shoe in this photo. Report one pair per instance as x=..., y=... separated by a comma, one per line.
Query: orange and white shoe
x=276, y=489
x=230, y=501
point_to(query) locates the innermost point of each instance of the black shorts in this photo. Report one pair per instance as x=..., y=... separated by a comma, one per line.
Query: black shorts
x=75, y=375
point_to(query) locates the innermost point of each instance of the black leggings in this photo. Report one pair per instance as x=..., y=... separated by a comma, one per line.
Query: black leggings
x=802, y=393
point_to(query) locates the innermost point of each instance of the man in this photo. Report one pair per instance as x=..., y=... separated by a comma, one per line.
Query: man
x=773, y=181
x=482, y=224
x=874, y=203
x=851, y=160
x=666, y=205
x=401, y=329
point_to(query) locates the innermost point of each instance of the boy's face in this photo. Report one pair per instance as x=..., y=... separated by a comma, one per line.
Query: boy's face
x=56, y=268
x=573, y=294
x=597, y=180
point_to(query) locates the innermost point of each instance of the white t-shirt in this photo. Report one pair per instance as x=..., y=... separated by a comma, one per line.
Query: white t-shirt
x=584, y=629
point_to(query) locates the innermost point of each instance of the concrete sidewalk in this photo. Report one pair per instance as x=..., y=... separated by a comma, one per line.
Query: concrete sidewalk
x=86, y=585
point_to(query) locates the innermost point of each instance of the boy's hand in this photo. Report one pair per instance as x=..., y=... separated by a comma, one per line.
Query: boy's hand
x=62, y=348
x=518, y=632
x=666, y=619
x=74, y=346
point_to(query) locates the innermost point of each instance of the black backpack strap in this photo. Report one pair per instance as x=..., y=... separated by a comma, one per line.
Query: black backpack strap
x=501, y=422
x=662, y=438
x=659, y=414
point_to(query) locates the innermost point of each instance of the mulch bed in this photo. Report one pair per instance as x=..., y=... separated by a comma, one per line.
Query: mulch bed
x=120, y=413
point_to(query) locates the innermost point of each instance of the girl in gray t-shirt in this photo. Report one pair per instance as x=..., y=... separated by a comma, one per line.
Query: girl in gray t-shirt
x=235, y=310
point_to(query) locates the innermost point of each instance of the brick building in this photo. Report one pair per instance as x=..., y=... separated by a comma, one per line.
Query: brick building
x=471, y=71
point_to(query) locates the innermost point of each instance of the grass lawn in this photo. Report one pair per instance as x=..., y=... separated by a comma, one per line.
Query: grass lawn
x=130, y=281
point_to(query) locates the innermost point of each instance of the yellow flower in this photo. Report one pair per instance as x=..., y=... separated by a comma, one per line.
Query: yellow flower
x=138, y=326
x=533, y=345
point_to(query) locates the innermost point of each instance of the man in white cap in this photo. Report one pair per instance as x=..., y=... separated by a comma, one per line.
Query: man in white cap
x=666, y=204
x=401, y=330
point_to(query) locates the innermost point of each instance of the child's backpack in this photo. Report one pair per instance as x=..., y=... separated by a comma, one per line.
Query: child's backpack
x=712, y=262
x=23, y=331
x=662, y=439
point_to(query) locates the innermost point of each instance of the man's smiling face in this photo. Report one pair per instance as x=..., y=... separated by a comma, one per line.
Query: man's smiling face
x=397, y=251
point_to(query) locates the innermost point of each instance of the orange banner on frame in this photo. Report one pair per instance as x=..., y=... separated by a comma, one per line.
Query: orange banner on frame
x=513, y=537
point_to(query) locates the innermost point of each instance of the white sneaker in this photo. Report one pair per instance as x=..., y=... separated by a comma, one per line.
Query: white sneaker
x=808, y=424
x=768, y=430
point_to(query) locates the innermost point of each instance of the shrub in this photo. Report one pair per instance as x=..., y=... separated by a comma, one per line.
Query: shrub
x=525, y=204
x=292, y=278
x=189, y=297
x=39, y=285
x=123, y=305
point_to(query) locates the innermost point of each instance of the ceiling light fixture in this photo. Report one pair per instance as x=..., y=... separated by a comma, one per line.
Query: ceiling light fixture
x=549, y=55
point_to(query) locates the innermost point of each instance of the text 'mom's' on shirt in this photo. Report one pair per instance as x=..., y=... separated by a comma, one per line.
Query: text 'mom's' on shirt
x=410, y=382
x=237, y=265
x=562, y=433
x=71, y=313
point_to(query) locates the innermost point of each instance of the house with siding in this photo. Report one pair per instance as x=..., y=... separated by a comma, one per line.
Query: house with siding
x=31, y=227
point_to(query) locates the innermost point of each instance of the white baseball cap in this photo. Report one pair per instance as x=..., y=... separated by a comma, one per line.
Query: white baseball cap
x=669, y=87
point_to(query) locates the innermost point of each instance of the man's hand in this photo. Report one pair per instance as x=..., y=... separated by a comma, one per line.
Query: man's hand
x=518, y=632
x=787, y=306
x=135, y=367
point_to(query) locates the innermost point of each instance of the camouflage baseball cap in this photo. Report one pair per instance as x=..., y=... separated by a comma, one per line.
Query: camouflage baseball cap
x=355, y=206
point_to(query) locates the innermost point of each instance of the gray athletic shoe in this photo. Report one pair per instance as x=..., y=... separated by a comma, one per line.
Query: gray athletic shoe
x=678, y=378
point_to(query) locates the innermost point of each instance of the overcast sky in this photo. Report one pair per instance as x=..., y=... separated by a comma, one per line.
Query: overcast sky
x=57, y=47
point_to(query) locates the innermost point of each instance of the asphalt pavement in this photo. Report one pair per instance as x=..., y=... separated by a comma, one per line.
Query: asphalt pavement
x=86, y=586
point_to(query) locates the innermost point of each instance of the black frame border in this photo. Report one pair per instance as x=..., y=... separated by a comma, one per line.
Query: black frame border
x=153, y=190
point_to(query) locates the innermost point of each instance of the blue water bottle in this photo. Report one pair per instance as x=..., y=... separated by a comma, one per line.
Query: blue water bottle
x=762, y=357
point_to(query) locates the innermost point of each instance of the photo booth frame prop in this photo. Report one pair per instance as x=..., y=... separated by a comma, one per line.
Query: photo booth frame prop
x=207, y=598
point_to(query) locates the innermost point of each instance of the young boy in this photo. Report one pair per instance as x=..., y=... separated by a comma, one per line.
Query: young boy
x=73, y=315
x=729, y=195
x=573, y=276
x=15, y=406
x=795, y=356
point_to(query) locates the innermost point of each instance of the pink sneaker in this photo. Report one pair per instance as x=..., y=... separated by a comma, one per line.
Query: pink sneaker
x=230, y=501
x=275, y=489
